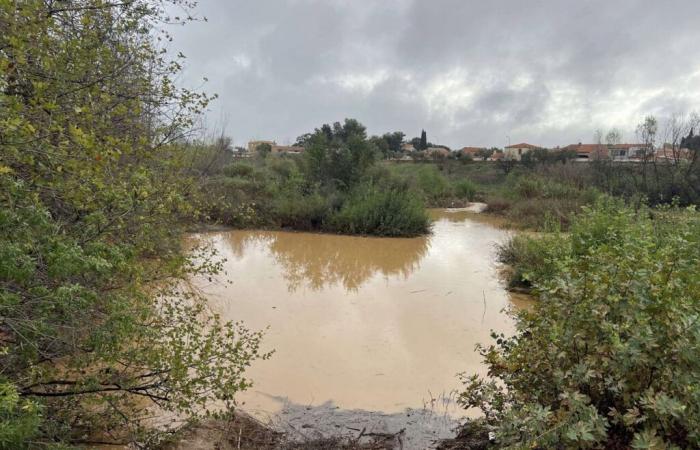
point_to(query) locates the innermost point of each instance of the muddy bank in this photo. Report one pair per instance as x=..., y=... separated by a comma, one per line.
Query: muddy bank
x=322, y=427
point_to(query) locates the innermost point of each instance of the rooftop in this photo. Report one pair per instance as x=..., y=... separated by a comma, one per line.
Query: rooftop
x=524, y=145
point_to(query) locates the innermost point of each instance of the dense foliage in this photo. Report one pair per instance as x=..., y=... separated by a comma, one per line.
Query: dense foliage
x=96, y=322
x=608, y=357
x=382, y=212
x=337, y=186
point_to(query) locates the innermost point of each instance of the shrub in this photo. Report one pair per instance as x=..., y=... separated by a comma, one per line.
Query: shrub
x=300, y=212
x=528, y=187
x=544, y=214
x=381, y=212
x=465, y=189
x=608, y=358
x=434, y=187
x=538, y=202
x=529, y=258
x=239, y=169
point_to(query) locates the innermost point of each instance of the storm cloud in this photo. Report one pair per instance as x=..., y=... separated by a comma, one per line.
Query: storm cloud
x=470, y=72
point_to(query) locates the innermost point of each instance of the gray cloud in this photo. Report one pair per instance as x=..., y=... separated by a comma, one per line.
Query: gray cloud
x=470, y=72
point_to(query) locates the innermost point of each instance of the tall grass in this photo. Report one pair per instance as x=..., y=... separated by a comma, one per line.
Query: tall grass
x=531, y=200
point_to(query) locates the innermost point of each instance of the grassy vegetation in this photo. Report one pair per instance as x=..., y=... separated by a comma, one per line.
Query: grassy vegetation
x=526, y=197
x=436, y=189
x=608, y=357
x=547, y=195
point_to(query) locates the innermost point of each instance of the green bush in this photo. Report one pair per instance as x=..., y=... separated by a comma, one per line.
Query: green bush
x=528, y=187
x=430, y=183
x=300, y=212
x=465, y=189
x=239, y=169
x=529, y=258
x=434, y=186
x=369, y=210
x=608, y=358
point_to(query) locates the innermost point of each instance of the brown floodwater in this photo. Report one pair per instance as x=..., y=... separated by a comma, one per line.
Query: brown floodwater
x=363, y=323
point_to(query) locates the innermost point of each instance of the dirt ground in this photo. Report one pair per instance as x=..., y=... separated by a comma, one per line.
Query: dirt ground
x=246, y=432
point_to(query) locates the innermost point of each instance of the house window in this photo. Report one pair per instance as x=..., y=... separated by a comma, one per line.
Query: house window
x=520, y=151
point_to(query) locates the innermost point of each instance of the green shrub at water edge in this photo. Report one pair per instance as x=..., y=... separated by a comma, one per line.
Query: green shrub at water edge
x=300, y=212
x=609, y=356
x=369, y=210
x=465, y=189
x=529, y=258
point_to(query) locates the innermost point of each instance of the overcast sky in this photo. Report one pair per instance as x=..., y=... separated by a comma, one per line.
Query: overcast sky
x=470, y=72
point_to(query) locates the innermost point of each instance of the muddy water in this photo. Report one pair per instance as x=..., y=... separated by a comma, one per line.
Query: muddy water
x=363, y=323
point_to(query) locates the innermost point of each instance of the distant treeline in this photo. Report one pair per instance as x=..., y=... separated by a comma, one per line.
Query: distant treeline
x=337, y=185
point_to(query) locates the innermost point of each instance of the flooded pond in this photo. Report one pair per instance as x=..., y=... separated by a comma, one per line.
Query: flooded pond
x=361, y=323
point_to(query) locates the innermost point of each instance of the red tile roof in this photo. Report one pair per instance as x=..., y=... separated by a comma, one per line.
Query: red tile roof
x=587, y=148
x=523, y=145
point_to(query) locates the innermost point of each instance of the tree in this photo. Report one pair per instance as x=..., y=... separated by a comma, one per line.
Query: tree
x=95, y=191
x=303, y=140
x=394, y=141
x=598, y=137
x=484, y=153
x=423, y=140
x=613, y=137
x=646, y=133
x=351, y=128
x=339, y=161
x=381, y=144
x=263, y=150
x=389, y=144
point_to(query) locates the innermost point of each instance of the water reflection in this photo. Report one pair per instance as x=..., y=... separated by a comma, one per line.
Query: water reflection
x=451, y=215
x=318, y=261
